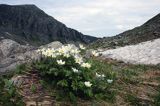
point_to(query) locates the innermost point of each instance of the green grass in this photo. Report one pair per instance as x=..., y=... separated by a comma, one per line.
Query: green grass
x=120, y=69
x=33, y=88
x=157, y=99
x=132, y=100
x=20, y=69
x=8, y=93
x=127, y=73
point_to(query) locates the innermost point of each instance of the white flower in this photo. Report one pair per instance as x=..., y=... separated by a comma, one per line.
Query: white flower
x=98, y=75
x=57, y=53
x=78, y=59
x=109, y=80
x=48, y=52
x=82, y=47
x=60, y=62
x=66, y=55
x=94, y=53
x=69, y=47
x=87, y=84
x=75, y=70
x=62, y=50
x=39, y=50
x=86, y=65
x=53, y=55
x=75, y=51
x=103, y=75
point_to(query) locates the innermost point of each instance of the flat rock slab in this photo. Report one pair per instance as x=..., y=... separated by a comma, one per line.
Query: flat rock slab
x=142, y=53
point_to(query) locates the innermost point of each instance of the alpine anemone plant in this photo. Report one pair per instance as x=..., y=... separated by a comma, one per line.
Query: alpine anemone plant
x=68, y=72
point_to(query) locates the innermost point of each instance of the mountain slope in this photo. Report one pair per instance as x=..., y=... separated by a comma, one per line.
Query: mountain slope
x=148, y=31
x=29, y=24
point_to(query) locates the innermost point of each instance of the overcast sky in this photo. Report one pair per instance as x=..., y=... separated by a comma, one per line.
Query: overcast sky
x=97, y=17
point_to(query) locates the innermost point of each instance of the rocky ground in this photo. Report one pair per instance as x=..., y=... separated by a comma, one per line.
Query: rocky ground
x=142, y=53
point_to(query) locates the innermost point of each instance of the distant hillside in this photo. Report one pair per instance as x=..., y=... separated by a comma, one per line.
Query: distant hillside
x=148, y=31
x=29, y=24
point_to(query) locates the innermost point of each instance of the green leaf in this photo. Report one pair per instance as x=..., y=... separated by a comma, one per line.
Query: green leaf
x=89, y=92
x=56, y=73
x=81, y=85
x=68, y=73
x=53, y=69
x=62, y=83
x=99, y=96
x=33, y=88
x=74, y=85
x=73, y=98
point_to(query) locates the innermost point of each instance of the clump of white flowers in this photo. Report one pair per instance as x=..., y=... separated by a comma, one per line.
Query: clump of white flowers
x=70, y=71
x=66, y=51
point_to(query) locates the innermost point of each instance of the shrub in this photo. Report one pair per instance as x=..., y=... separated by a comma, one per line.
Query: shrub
x=71, y=74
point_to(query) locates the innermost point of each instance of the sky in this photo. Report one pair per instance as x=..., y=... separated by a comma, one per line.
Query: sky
x=100, y=18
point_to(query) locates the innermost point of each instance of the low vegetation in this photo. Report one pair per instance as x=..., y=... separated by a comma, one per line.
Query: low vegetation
x=8, y=93
x=157, y=98
x=69, y=78
x=68, y=72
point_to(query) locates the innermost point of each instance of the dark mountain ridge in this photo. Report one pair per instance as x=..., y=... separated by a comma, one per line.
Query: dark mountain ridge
x=29, y=24
x=148, y=31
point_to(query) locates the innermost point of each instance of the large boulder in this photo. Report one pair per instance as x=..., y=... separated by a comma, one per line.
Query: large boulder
x=9, y=47
x=13, y=54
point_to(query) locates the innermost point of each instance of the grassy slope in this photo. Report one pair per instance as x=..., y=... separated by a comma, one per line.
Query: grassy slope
x=133, y=84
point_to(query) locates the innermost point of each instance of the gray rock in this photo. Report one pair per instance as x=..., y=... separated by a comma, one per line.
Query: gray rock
x=55, y=44
x=13, y=54
x=18, y=80
x=142, y=53
x=10, y=47
x=88, y=53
